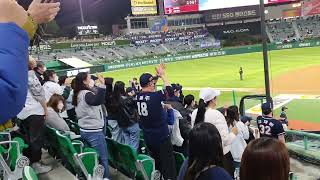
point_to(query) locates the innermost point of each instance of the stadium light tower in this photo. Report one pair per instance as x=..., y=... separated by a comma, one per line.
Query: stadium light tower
x=265, y=51
x=81, y=11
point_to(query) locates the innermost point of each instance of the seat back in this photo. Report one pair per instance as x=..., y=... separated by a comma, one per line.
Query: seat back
x=11, y=159
x=128, y=159
x=125, y=159
x=179, y=157
x=68, y=152
x=15, y=151
x=74, y=127
x=52, y=141
x=29, y=174
x=113, y=154
x=85, y=162
x=90, y=162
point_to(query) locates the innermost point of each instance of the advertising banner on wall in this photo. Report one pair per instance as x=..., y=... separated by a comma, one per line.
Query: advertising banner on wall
x=311, y=7
x=144, y=7
x=294, y=12
x=144, y=10
x=137, y=3
x=227, y=30
x=228, y=14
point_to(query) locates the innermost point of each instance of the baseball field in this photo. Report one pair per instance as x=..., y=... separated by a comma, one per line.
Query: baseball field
x=294, y=73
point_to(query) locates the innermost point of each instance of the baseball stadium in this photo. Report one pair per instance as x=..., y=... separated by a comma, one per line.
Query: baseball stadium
x=253, y=53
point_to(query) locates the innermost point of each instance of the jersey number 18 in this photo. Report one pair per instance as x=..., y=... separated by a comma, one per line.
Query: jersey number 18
x=142, y=108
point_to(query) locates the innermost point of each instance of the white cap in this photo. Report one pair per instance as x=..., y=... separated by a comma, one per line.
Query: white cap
x=207, y=94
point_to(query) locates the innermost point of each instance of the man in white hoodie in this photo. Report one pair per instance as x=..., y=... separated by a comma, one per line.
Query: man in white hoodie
x=206, y=112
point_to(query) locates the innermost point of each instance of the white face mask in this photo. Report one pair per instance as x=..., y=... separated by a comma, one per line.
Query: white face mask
x=56, y=79
x=44, y=69
x=91, y=83
x=60, y=106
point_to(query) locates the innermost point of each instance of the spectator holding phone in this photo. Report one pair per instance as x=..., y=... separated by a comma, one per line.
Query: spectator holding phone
x=239, y=144
x=51, y=85
x=89, y=111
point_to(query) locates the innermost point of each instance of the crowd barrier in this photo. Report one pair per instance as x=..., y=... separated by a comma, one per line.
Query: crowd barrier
x=304, y=145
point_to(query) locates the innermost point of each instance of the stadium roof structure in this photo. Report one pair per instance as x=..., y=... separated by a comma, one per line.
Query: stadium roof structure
x=75, y=62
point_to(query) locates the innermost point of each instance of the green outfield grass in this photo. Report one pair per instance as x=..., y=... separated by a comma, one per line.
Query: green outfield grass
x=303, y=109
x=223, y=72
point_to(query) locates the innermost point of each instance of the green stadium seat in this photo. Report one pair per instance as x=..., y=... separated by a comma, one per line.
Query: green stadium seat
x=179, y=157
x=83, y=161
x=12, y=161
x=126, y=160
x=29, y=174
x=112, y=152
x=74, y=127
x=52, y=142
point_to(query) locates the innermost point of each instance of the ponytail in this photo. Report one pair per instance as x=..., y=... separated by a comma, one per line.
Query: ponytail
x=201, y=112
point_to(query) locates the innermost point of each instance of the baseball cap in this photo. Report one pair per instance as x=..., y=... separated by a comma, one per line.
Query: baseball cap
x=129, y=89
x=207, y=94
x=284, y=108
x=146, y=78
x=176, y=87
x=266, y=108
x=245, y=119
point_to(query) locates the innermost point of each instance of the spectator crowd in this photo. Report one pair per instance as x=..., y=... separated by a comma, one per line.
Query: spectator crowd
x=218, y=143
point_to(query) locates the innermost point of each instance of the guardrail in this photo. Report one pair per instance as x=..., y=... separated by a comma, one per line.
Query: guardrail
x=304, y=145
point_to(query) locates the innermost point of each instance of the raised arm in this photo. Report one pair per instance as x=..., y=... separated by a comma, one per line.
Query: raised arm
x=161, y=72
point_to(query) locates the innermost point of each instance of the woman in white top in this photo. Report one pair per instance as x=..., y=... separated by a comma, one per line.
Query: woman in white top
x=51, y=85
x=206, y=112
x=239, y=144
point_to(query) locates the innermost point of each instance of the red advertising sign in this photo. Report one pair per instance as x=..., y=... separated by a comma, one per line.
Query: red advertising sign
x=311, y=7
x=181, y=6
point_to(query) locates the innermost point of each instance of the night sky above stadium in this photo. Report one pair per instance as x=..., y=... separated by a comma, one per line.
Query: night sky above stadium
x=103, y=12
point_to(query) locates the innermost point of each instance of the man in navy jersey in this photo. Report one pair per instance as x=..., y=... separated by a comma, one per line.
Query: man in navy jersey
x=154, y=122
x=268, y=126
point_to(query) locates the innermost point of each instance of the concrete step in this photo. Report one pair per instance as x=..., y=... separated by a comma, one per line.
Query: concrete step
x=59, y=172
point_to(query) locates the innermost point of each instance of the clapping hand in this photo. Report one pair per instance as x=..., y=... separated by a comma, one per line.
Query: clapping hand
x=11, y=11
x=161, y=70
x=43, y=12
x=101, y=79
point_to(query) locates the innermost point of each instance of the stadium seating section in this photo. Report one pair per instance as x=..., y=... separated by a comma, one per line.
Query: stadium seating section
x=278, y=30
x=297, y=29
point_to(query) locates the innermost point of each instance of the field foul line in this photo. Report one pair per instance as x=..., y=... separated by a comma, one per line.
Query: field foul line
x=282, y=100
x=224, y=89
